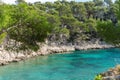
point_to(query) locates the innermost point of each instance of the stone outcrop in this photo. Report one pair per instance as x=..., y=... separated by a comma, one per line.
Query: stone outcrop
x=11, y=56
x=90, y=45
x=111, y=74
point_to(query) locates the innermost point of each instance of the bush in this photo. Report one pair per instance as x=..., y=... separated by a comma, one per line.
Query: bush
x=98, y=77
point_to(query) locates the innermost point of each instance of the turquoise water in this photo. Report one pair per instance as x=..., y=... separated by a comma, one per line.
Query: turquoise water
x=80, y=65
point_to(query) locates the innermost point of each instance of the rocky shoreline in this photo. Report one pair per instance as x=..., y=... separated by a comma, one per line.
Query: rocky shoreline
x=111, y=74
x=7, y=57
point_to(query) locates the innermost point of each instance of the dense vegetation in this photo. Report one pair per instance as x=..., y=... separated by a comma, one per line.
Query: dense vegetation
x=61, y=22
x=111, y=32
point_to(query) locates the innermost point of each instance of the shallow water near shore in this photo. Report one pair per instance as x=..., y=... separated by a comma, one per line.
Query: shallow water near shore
x=80, y=65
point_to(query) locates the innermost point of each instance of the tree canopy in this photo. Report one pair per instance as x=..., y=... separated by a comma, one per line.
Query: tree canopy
x=110, y=30
x=61, y=21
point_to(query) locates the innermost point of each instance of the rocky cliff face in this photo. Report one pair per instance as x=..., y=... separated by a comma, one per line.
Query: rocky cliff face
x=12, y=56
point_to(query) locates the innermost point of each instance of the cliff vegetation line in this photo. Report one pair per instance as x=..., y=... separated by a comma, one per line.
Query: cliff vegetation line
x=23, y=25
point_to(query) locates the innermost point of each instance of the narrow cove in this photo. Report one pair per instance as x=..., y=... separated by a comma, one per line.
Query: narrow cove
x=78, y=65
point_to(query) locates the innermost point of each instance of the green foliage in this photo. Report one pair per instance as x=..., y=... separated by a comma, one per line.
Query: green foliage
x=31, y=27
x=65, y=31
x=118, y=8
x=98, y=2
x=109, y=32
x=2, y=37
x=20, y=1
x=98, y=77
x=109, y=2
x=5, y=19
x=91, y=25
x=23, y=23
x=68, y=20
x=30, y=24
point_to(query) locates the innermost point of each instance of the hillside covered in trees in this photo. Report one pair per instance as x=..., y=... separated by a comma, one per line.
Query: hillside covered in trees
x=60, y=22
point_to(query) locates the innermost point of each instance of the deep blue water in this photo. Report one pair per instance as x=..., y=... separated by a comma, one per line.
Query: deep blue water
x=80, y=65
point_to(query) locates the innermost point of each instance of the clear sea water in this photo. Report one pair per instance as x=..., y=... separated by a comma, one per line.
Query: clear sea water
x=78, y=65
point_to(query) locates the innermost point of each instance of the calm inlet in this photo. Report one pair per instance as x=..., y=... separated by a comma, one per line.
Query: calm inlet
x=78, y=65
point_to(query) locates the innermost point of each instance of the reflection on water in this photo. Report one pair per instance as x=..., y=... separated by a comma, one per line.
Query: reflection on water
x=81, y=65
